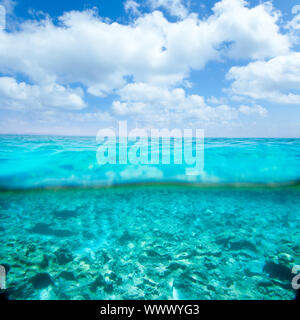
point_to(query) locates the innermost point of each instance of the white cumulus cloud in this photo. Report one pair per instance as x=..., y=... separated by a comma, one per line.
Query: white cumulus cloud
x=276, y=80
x=132, y=6
x=174, y=7
x=148, y=61
x=84, y=48
x=162, y=106
x=255, y=110
x=19, y=95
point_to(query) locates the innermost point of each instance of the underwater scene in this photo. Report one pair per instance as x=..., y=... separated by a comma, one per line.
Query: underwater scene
x=73, y=229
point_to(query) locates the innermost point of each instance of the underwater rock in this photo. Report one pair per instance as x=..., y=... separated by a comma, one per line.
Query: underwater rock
x=224, y=239
x=149, y=282
x=103, y=256
x=19, y=290
x=200, y=276
x=45, y=261
x=61, y=233
x=88, y=235
x=214, y=286
x=109, y=287
x=265, y=283
x=41, y=280
x=187, y=255
x=296, y=249
x=102, y=282
x=184, y=288
x=150, y=292
x=210, y=264
x=41, y=228
x=174, y=266
x=195, y=277
x=279, y=267
x=153, y=253
x=114, y=277
x=67, y=275
x=65, y=214
x=133, y=293
x=45, y=229
x=242, y=244
x=254, y=268
x=214, y=252
x=285, y=258
x=98, y=282
x=126, y=237
x=30, y=249
x=63, y=256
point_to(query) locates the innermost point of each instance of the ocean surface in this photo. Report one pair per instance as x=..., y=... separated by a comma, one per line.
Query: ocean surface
x=74, y=229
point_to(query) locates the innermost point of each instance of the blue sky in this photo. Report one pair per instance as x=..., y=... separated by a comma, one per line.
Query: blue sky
x=230, y=67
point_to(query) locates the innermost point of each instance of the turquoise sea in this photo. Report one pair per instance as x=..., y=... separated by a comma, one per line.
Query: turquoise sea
x=73, y=229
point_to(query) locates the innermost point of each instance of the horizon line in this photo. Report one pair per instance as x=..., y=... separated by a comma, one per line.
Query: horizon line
x=117, y=136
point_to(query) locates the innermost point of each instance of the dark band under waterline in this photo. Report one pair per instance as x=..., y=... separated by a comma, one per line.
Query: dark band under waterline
x=171, y=184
